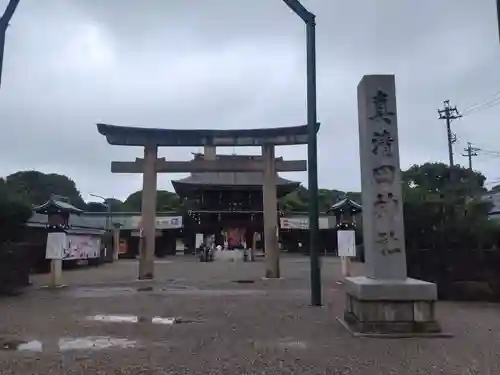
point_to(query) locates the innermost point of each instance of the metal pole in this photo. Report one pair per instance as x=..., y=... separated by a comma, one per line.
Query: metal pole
x=2, y=49
x=312, y=152
x=108, y=215
x=498, y=15
x=312, y=164
x=4, y=24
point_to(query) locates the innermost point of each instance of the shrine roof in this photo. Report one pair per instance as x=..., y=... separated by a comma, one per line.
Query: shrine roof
x=231, y=179
x=57, y=203
x=346, y=205
x=138, y=136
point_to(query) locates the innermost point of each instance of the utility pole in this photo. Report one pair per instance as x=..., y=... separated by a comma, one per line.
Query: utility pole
x=449, y=114
x=470, y=152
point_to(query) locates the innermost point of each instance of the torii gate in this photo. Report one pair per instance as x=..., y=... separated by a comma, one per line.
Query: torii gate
x=150, y=165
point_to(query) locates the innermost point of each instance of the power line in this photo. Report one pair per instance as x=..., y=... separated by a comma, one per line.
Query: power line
x=489, y=152
x=491, y=97
x=449, y=114
x=479, y=108
x=494, y=100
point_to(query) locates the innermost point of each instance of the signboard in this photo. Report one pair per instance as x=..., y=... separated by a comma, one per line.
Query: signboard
x=346, y=242
x=82, y=247
x=172, y=222
x=56, y=243
x=161, y=222
x=302, y=223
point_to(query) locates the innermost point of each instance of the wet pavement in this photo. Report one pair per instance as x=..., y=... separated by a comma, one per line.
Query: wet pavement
x=221, y=318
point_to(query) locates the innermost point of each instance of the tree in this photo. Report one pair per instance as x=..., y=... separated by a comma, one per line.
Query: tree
x=439, y=178
x=4, y=24
x=96, y=207
x=116, y=205
x=292, y=203
x=441, y=210
x=165, y=201
x=36, y=188
x=298, y=200
x=13, y=214
x=327, y=198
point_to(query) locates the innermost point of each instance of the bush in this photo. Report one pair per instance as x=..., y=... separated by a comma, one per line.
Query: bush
x=13, y=215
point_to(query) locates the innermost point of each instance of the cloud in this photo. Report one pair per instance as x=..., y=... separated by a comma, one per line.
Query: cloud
x=222, y=64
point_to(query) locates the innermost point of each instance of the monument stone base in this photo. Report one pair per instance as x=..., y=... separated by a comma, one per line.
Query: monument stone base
x=390, y=307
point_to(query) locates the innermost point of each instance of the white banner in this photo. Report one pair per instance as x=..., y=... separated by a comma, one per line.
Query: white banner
x=172, y=222
x=346, y=242
x=56, y=243
x=161, y=222
x=302, y=223
x=82, y=247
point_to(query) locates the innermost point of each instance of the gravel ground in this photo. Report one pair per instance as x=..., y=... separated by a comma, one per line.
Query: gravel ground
x=265, y=327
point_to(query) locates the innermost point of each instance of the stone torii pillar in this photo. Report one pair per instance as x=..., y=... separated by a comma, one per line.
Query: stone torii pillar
x=150, y=165
x=148, y=220
x=270, y=204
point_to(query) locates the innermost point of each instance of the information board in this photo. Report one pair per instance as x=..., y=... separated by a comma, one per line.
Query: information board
x=56, y=243
x=346, y=243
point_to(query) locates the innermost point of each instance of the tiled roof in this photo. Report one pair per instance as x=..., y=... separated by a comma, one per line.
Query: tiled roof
x=59, y=203
x=231, y=178
x=346, y=204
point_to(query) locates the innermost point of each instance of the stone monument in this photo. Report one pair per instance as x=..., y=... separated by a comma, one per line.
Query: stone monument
x=385, y=301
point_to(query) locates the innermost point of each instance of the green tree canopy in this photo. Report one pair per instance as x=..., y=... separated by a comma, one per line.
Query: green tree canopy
x=165, y=201
x=298, y=201
x=116, y=206
x=95, y=207
x=443, y=207
x=36, y=188
x=440, y=179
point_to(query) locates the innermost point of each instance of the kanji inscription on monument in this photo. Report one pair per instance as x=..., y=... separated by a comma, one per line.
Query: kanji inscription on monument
x=384, y=301
x=381, y=179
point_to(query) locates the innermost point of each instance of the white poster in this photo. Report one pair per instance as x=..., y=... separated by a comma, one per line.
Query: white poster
x=82, y=247
x=56, y=243
x=199, y=239
x=346, y=242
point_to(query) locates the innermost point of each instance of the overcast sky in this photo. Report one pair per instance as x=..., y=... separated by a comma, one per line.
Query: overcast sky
x=238, y=64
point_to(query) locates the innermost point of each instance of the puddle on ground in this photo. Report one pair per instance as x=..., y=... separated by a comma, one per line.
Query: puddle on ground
x=67, y=344
x=118, y=291
x=114, y=318
x=139, y=319
x=34, y=345
x=101, y=292
x=95, y=343
x=285, y=344
x=219, y=292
